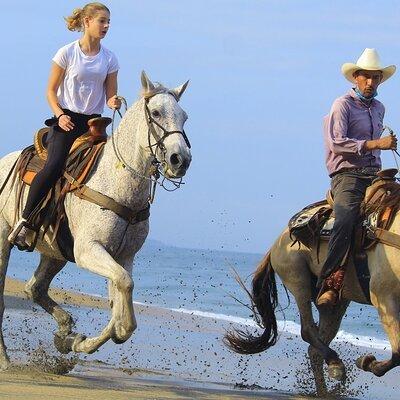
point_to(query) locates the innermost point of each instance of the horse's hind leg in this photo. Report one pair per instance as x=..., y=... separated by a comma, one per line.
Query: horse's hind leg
x=5, y=248
x=37, y=290
x=389, y=310
x=329, y=323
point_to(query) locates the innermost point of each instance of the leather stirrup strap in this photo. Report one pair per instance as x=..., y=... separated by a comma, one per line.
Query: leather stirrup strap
x=86, y=193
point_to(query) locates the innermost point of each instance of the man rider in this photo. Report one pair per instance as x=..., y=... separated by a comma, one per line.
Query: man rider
x=353, y=142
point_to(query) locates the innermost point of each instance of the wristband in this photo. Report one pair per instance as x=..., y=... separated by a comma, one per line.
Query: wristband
x=58, y=118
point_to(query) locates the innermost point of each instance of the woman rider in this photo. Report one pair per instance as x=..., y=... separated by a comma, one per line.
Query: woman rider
x=83, y=77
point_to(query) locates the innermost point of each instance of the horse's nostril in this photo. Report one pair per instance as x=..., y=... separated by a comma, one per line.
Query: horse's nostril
x=175, y=159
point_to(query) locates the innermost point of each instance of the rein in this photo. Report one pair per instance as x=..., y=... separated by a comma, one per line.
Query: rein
x=394, y=151
x=157, y=166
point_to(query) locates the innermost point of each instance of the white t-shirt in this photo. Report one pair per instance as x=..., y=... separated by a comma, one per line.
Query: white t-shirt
x=83, y=89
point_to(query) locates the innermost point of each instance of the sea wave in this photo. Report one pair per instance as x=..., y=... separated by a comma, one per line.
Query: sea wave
x=293, y=328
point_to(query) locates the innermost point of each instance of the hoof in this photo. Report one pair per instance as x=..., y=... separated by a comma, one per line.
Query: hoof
x=337, y=371
x=364, y=362
x=121, y=333
x=64, y=344
x=117, y=340
x=4, y=365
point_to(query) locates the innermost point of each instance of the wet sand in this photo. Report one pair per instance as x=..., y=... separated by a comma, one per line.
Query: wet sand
x=38, y=386
x=96, y=381
x=172, y=355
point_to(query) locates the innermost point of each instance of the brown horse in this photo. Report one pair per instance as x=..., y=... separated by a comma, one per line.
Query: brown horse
x=297, y=267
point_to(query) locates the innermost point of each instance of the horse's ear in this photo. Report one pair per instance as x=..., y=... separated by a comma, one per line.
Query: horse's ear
x=178, y=91
x=147, y=85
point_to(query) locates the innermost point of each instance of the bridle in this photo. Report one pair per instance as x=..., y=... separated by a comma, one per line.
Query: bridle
x=157, y=166
x=159, y=141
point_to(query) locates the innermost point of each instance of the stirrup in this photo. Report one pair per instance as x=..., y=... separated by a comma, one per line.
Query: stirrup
x=16, y=230
x=17, y=241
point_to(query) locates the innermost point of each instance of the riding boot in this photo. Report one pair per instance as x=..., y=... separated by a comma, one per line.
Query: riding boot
x=18, y=235
x=331, y=288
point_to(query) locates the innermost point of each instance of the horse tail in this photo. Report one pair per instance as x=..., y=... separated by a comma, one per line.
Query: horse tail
x=264, y=299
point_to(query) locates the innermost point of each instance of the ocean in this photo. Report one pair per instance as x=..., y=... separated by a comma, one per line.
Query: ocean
x=201, y=282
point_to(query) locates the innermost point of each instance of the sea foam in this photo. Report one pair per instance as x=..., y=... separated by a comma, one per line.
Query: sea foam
x=292, y=328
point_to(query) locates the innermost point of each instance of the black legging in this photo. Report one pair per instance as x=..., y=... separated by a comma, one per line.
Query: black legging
x=59, y=144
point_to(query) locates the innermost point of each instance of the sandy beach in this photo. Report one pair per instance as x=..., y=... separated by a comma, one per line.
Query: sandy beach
x=99, y=385
x=96, y=380
x=174, y=354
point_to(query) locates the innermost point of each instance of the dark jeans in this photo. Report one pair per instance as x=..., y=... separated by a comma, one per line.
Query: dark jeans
x=348, y=189
x=59, y=144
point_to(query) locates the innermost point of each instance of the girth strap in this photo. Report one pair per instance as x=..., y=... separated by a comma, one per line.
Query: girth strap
x=86, y=193
x=386, y=237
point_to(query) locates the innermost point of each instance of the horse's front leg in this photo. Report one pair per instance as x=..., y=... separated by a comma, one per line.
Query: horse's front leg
x=329, y=324
x=387, y=303
x=117, y=304
x=95, y=258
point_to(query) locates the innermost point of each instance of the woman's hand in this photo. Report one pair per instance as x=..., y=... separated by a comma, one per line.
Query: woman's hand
x=65, y=122
x=114, y=102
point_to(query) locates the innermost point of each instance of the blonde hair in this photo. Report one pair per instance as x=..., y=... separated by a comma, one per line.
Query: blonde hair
x=75, y=20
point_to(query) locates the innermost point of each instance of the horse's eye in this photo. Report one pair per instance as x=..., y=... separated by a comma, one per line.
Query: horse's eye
x=155, y=113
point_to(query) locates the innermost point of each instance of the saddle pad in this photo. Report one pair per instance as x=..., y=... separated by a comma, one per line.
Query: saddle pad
x=317, y=221
x=306, y=225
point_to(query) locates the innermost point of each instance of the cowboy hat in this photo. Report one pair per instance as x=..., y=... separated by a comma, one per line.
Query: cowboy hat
x=368, y=61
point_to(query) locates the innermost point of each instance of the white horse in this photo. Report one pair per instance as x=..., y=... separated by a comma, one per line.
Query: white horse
x=104, y=243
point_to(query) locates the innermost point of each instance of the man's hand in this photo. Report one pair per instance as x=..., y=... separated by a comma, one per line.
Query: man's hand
x=384, y=143
x=388, y=142
x=114, y=102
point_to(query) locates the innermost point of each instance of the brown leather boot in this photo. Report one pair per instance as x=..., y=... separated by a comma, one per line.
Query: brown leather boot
x=328, y=298
x=329, y=294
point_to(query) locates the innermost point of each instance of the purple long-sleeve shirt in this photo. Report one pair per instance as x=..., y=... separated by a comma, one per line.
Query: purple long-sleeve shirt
x=348, y=126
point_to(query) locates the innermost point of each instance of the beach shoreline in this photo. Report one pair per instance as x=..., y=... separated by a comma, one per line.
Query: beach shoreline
x=174, y=354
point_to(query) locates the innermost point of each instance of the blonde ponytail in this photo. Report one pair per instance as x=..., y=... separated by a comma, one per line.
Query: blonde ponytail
x=75, y=21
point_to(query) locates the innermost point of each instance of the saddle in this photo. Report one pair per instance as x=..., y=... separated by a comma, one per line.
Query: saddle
x=96, y=134
x=82, y=157
x=381, y=203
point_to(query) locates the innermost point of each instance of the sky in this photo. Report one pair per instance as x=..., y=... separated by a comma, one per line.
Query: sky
x=262, y=76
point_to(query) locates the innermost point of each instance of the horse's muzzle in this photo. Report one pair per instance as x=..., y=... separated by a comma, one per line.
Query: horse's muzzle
x=178, y=164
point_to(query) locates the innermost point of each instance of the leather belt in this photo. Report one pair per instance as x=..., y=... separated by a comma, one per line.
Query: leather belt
x=362, y=171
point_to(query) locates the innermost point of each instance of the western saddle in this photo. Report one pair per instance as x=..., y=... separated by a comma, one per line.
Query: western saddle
x=381, y=202
x=95, y=137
